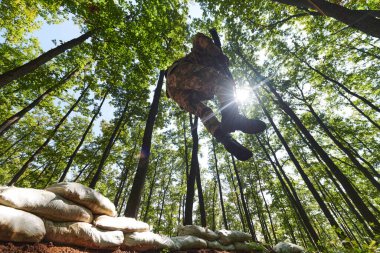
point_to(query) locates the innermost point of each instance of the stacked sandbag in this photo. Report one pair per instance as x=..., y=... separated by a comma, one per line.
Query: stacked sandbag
x=82, y=234
x=142, y=241
x=20, y=226
x=186, y=242
x=124, y=224
x=287, y=247
x=197, y=231
x=195, y=237
x=227, y=237
x=44, y=204
x=85, y=196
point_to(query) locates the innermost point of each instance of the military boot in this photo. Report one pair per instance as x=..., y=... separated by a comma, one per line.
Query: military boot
x=232, y=120
x=232, y=146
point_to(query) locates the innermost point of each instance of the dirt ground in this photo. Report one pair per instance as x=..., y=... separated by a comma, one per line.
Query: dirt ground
x=8, y=247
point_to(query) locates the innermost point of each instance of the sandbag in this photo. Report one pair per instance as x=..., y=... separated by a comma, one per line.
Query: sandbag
x=44, y=204
x=124, y=224
x=141, y=241
x=218, y=246
x=82, y=234
x=189, y=242
x=249, y=247
x=287, y=247
x=230, y=236
x=20, y=226
x=197, y=231
x=84, y=196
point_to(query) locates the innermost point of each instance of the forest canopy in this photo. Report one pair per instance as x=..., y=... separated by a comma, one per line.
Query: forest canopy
x=93, y=110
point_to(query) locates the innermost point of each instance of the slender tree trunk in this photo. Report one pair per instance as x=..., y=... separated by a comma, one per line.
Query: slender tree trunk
x=245, y=207
x=364, y=20
x=306, y=179
x=364, y=52
x=81, y=172
x=163, y=200
x=213, y=227
x=194, y=134
x=352, y=193
x=124, y=174
x=340, y=190
x=220, y=187
x=152, y=183
x=358, y=109
x=134, y=199
x=237, y=198
x=264, y=227
x=108, y=148
x=345, y=150
x=27, y=68
x=17, y=176
x=16, y=142
x=266, y=204
x=340, y=85
x=71, y=159
x=16, y=117
x=194, y=167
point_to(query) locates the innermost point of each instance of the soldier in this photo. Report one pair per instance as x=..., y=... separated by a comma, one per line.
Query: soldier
x=199, y=76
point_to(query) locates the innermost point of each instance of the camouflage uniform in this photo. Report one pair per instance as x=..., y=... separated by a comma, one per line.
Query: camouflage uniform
x=198, y=77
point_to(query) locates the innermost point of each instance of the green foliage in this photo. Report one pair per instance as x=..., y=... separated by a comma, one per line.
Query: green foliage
x=132, y=41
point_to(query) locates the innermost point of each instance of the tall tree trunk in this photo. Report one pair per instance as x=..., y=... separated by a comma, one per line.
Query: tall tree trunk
x=16, y=117
x=220, y=187
x=345, y=150
x=244, y=203
x=293, y=199
x=71, y=159
x=237, y=198
x=352, y=193
x=195, y=163
x=124, y=174
x=265, y=203
x=358, y=109
x=134, y=200
x=48, y=139
x=27, y=68
x=108, y=148
x=340, y=85
x=305, y=178
x=364, y=20
x=194, y=168
x=16, y=143
x=163, y=200
x=340, y=190
x=213, y=227
x=255, y=197
x=152, y=183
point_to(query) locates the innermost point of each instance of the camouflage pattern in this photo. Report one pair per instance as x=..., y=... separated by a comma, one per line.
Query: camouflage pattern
x=198, y=77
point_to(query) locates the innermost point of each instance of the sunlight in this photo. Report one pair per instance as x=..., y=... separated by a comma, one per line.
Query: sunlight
x=242, y=94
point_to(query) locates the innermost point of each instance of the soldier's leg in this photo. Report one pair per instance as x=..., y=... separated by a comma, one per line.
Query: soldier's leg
x=191, y=103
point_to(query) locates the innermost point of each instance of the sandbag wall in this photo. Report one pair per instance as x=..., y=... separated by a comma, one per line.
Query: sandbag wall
x=73, y=214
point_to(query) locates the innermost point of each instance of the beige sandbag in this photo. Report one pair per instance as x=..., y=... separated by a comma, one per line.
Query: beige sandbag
x=249, y=247
x=197, y=231
x=218, y=246
x=189, y=242
x=142, y=241
x=44, y=204
x=20, y=226
x=124, y=224
x=84, y=196
x=230, y=236
x=82, y=234
x=287, y=247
